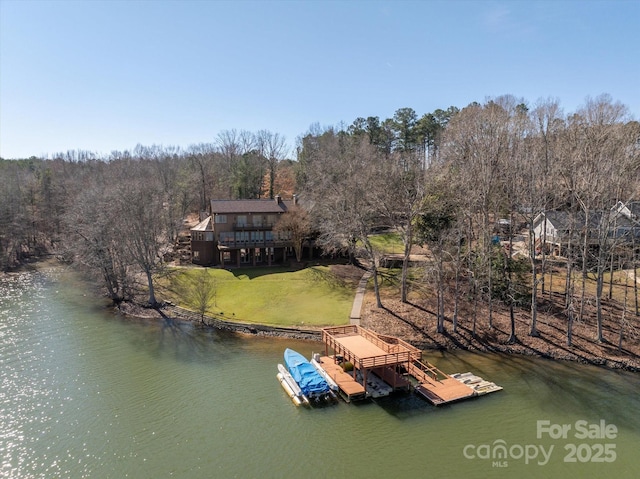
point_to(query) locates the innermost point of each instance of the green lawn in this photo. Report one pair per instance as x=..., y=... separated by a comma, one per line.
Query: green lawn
x=388, y=243
x=274, y=296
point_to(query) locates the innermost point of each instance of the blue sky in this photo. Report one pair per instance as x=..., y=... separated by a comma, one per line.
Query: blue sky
x=107, y=75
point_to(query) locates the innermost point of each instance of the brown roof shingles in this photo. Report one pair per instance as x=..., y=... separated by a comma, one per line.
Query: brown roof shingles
x=226, y=207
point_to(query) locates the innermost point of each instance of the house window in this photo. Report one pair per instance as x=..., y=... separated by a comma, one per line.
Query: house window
x=226, y=237
x=268, y=235
x=196, y=255
x=242, y=220
x=242, y=236
x=221, y=218
x=257, y=220
x=256, y=235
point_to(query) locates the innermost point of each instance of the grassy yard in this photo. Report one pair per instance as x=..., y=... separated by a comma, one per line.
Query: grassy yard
x=387, y=243
x=313, y=296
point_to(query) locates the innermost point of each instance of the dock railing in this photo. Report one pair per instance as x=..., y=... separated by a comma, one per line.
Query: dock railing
x=423, y=372
x=397, y=351
x=388, y=344
x=396, y=344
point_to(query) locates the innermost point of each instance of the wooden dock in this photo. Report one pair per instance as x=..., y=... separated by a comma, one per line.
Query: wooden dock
x=444, y=391
x=350, y=388
x=393, y=361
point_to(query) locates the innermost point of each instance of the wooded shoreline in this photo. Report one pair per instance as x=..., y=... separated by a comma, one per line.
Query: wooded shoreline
x=529, y=219
x=447, y=342
x=395, y=320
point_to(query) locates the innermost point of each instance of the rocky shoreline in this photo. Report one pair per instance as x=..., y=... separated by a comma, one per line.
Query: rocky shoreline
x=415, y=324
x=446, y=341
x=177, y=313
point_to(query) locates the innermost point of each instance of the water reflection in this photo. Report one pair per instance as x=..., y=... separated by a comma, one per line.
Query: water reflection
x=88, y=393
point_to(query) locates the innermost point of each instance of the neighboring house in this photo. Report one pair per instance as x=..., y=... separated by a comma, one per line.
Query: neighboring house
x=629, y=210
x=552, y=228
x=240, y=232
x=627, y=217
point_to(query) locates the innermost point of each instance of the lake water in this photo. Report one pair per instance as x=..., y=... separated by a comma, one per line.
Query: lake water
x=88, y=394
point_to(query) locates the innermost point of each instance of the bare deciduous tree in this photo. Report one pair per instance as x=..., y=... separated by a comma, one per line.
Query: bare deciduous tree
x=296, y=223
x=537, y=184
x=401, y=201
x=200, y=291
x=140, y=208
x=273, y=147
x=345, y=181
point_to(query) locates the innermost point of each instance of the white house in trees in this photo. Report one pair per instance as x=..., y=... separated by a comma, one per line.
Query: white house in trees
x=553, y=229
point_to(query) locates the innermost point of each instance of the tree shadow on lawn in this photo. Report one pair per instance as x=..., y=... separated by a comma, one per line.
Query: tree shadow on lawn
x=335, y=277
x=329, y=277
x=253, y=272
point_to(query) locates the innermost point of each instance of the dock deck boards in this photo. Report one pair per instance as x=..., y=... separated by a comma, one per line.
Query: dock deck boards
x=360, y=346
x=345, y=381
x=444, y=390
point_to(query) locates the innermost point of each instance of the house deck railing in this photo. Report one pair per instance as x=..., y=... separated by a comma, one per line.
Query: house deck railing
x=254, y=244
x=252, y=227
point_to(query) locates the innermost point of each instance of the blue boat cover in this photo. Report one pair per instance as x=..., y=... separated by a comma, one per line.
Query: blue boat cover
x=309, y=380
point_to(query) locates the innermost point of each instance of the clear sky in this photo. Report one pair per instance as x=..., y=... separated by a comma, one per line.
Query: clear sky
x=107, y=75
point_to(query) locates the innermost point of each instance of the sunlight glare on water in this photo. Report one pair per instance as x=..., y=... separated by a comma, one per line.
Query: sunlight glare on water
x=86, y=393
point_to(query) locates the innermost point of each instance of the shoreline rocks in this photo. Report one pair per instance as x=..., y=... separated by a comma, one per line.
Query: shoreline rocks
x=251, y=329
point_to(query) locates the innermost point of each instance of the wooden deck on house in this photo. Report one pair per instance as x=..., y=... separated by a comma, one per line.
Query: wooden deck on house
x=389, y=358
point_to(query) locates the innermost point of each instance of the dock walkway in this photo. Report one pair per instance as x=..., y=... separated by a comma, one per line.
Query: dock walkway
x=351, y=388
x=356, y=309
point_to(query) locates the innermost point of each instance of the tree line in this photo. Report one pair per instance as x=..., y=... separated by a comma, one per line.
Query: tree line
x=443, y=180
x=456, y=180
x=119, y=215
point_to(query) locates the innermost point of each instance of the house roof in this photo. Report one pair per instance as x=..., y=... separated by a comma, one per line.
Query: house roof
x=204, y=225
x=623, y=221
x=249, y=206
x=634, y=207
x=558, y=219
x=561, y=220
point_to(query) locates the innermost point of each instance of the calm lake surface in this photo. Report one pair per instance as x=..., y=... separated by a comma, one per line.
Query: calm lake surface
x=88, y=394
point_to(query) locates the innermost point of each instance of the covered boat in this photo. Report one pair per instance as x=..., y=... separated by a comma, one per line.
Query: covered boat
x=291, y=386
x=311, y=383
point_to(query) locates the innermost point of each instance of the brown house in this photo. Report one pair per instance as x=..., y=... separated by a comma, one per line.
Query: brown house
x=240, y=233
